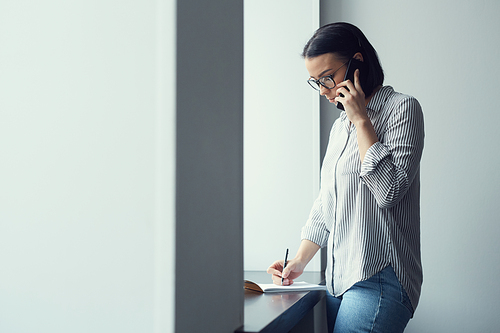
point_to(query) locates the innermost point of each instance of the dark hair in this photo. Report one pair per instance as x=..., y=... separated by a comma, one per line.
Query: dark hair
x=345, y=40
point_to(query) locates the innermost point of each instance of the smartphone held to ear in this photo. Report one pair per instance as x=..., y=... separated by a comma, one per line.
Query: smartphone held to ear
x=349, y=75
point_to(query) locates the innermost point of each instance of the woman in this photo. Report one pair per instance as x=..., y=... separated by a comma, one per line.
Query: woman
x=367, y=212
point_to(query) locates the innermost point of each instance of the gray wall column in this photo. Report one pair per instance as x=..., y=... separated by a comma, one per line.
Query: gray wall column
x=209, y=167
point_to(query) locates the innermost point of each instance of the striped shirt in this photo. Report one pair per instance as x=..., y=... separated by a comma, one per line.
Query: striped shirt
x=368, y=214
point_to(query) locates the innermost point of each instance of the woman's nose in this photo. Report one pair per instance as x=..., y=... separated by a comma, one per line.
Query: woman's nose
x=323, y=91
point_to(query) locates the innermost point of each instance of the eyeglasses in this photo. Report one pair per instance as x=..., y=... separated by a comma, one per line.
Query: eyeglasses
x=326, y=81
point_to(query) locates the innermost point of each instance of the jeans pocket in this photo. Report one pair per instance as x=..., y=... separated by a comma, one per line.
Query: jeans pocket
x=406, y=300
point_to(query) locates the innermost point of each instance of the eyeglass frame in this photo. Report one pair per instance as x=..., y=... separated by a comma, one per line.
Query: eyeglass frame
x=318, y=81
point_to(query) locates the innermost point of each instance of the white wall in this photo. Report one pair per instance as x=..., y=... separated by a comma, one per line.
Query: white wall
x=281, y=146
x=165, y=169
x=445, y=53
x=87, y=151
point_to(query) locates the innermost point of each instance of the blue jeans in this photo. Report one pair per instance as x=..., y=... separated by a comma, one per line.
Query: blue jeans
x=379, y=304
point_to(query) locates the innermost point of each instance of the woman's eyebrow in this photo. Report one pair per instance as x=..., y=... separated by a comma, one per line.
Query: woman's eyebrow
x=322, y=73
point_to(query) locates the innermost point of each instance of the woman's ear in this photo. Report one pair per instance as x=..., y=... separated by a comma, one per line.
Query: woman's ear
x=358, y=56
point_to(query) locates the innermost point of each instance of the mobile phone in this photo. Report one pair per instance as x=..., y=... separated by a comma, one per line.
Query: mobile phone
x=349, y=75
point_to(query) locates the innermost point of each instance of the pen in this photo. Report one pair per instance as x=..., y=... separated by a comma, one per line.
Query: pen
x=284, y=265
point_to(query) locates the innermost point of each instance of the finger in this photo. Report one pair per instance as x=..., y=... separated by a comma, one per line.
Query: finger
x=342, y=84
x=276, y=267
x=285, y=272
x=290, y=267
x=275, y=273
x=276, y=279
x=356, y=77
x=286, y=281
x=339, y=99
x=357, y=82
x=342, y=90
x=350, y=86
x=342, y=94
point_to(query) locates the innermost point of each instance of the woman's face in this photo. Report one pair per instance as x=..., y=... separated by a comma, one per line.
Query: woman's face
x=324, y=65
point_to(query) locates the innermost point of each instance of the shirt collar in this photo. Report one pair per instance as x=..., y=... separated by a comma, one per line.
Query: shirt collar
x=374, y=105
x=378, y=100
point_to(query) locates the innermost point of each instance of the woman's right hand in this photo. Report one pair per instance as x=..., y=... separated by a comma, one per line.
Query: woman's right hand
x=293, y=270
x=294, y=267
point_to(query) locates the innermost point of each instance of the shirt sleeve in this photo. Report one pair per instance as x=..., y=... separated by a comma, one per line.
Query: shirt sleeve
x=315, y=229
x=390, y=166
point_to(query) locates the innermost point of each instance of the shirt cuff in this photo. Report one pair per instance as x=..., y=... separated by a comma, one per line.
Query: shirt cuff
x=376, y=153
x=315, y=235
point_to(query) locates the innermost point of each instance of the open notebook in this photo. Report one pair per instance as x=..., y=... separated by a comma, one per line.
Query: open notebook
x=273, y=288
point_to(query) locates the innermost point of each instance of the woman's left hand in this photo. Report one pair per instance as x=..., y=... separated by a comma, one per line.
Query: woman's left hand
x=353, y=100
x=355, y=108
